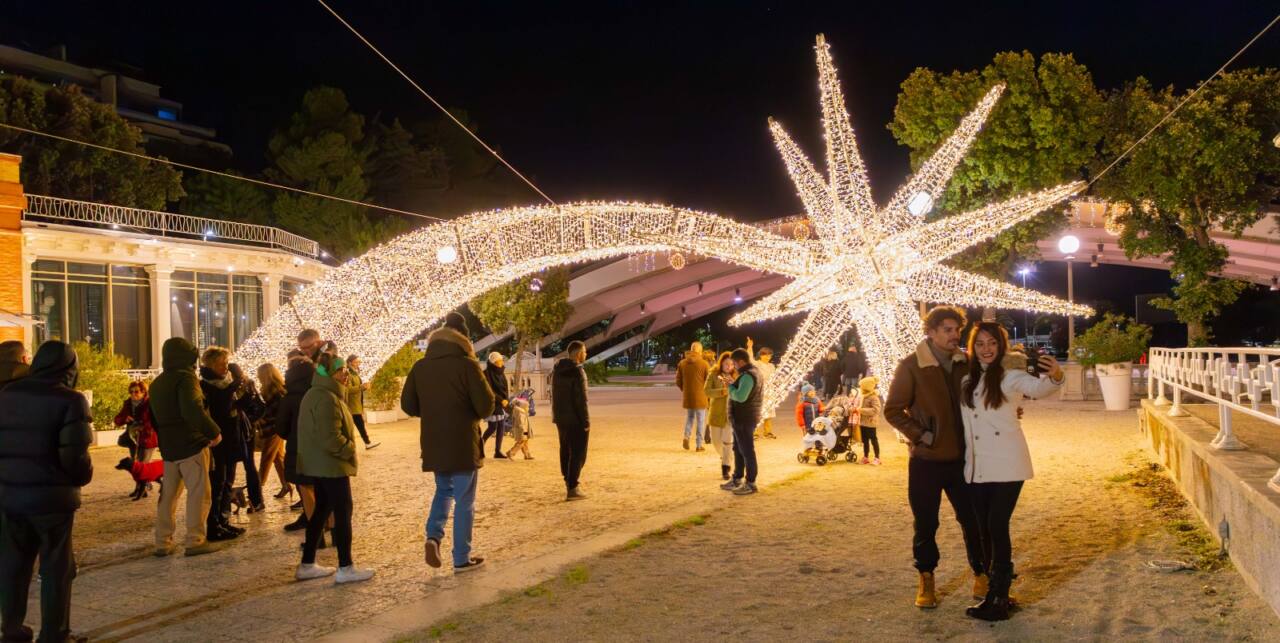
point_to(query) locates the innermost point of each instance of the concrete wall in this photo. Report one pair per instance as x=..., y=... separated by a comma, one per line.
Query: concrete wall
x=1228, y=489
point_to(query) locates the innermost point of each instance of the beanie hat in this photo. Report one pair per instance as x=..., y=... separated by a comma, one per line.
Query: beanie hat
x=456, y=321
x=494, y=356
x=806, y=389
x=868, y=384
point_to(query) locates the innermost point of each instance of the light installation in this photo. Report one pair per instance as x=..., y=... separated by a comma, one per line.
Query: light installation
x=864, y=269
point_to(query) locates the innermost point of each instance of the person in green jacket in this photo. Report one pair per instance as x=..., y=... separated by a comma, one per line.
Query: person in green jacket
x=355, y=398
x=718, y=427
x=186, y=432
x=327, y=453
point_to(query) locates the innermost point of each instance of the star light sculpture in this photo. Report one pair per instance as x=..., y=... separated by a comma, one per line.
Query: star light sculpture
x=871, y=264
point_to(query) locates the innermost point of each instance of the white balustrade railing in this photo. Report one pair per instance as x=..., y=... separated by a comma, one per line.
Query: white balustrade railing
x=1245, y=380
x=139, y=374
x=164, y=224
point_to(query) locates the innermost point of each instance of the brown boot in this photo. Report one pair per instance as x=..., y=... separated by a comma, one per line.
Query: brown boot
x=981, y=583
x=925, y=596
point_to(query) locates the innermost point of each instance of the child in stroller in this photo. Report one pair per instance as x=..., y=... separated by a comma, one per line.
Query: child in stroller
x=839, y=413
x=817, y=442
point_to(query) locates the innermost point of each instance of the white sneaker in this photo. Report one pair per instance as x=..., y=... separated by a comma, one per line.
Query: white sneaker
x=308, y=571
x=350, y=574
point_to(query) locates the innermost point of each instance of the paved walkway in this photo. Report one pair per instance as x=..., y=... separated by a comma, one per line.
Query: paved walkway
x=838, y=539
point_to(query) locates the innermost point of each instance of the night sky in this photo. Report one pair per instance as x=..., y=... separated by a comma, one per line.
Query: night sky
x=639, y=100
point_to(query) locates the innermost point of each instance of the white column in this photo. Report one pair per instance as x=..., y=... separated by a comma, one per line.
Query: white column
x=160, y=324
x=270, y=295
x=28, y=305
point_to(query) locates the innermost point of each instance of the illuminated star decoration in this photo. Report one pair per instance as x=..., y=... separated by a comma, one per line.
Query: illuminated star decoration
x=872, y=263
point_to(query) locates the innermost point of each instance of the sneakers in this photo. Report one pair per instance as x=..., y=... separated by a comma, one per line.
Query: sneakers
x=700, y=449
x=371, y=445
x=865, y=460
x=433, y=553
x=201, y=549
x=351, y=574
x=575, y=494
x=308, y=571
x=475, y=563
x=500, y=456
x=745, y=490
x=731, y=485
x=686, y=444
x=876, y=462
x=167, y=550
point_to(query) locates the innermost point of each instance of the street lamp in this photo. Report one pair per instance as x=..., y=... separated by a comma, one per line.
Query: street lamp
x=1026, y=325
x=1068, y=245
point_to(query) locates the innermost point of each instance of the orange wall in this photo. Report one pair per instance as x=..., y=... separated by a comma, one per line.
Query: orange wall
x=12, y=202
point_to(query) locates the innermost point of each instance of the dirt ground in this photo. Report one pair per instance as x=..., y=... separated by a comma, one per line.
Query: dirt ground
x=827, y=556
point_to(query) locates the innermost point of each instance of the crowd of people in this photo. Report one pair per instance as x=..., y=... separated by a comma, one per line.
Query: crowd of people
x=958, y=411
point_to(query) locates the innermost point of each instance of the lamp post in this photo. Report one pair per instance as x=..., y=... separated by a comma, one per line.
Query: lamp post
x=1026, y=325
x=1068, y=245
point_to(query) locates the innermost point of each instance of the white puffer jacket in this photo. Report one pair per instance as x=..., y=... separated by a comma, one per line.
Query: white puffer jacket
x=995, y=447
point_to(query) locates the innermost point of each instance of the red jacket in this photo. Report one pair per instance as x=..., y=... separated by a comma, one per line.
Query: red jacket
x=800, y=412
x=147, y=438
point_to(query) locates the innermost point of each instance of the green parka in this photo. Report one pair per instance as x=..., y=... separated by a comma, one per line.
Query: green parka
x=326, y=432
x=718, y=400
x=355, y=393
x=177, y=405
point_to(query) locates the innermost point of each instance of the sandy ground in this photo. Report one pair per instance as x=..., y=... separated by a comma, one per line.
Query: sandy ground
x=635, y=468
x=827, y=557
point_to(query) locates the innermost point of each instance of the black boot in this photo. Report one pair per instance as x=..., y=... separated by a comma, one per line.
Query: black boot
x=995, y=607
x=724, y=471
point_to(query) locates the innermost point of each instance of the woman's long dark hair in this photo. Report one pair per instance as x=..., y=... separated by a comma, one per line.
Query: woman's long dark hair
x=993, y=395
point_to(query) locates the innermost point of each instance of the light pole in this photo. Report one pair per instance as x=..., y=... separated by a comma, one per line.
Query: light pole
x=1068, y=245
x=1026, y=325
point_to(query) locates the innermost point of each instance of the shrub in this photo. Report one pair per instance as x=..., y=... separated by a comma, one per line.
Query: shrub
x=1114, y=339
x=100, y=372
x=384, y=388
x=597, y=372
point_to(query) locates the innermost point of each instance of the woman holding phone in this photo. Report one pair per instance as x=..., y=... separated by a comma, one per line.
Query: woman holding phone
x=997, y=460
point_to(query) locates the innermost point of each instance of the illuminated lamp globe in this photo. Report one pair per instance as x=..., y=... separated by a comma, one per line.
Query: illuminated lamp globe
x=920, y=204
x=447, y=254
x=1069, y=244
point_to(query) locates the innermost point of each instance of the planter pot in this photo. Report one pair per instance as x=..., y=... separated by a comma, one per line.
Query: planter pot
x=106, y=438
x=1116, y=382
x=382, y=417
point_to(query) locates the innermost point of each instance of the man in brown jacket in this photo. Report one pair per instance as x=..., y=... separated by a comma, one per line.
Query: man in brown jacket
x=447, y=389
x=924, y=405
x=691, y=377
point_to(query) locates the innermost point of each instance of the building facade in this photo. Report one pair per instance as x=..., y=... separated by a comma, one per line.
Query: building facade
x=133, y=278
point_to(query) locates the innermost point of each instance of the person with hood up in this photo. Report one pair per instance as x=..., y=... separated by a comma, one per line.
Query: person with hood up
x=186, y=433
x=327, y=453
x=45, y=433
x=14, y=361
x=219, y=386
x=448, y=391
x=570, y=415
x=496, y=375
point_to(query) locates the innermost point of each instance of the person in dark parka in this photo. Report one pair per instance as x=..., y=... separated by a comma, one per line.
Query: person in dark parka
x=297, y=381
x=569, y=412
x=45, y=433
x=496, y=375
x=219, y=386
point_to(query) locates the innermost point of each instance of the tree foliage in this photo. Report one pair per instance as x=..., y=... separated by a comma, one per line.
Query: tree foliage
x=74, y=171
x=530, y=313
x=1043, y=132
x=209, y=195
x=385, y=387
x=1211, y=167
x=1113, y=339
x=101, y=372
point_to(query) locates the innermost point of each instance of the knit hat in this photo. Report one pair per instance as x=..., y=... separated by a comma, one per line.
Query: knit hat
x=456, y=321
x=868, y=384
x=806, y=389
x=494, y=356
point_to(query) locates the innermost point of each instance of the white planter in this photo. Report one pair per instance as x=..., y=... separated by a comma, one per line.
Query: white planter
x=382, y=417
x=1116, y=382
x=106, y=438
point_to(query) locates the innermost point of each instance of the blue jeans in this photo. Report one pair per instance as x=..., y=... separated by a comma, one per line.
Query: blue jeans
x=695, y=418
x=450, y=487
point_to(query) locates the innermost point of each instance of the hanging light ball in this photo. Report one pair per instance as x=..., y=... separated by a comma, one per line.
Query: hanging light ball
x=801, y=231
x=447, y=254
x=677, y=261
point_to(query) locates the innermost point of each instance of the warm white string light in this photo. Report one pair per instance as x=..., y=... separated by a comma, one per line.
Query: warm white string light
x=875, y=262
x=865, y=270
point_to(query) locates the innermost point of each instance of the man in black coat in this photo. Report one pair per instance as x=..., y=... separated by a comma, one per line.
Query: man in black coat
x=855, y=368
x=14, y=361
x=45, y=433
x=569, y=412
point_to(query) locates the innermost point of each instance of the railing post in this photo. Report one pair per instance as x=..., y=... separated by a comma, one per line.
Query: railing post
x=1176, y=411
x=1226, y=440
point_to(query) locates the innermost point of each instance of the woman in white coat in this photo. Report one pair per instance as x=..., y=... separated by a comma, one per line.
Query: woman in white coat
x=997, y=460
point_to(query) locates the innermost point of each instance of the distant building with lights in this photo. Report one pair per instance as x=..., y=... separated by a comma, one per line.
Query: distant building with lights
x=161, y=120
x=72, y=270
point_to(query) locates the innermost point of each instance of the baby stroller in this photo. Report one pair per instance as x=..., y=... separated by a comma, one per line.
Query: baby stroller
x=818, y=442
x=838, y=413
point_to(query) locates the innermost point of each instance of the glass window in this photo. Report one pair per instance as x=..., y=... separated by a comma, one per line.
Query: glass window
x=44, y=265
x=183, y=276
x=87, y=313
x=213, y=278
x=93, y=269
x=287, y=290
x=48, y=299
x=248, y=314
x=211, y=318
x=182, y=314
x=131, y=323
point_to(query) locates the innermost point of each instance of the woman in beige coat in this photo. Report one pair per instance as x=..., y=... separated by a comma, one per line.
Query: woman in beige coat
x=717, y=393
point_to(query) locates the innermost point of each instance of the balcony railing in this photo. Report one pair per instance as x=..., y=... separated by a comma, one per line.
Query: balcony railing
x=164, y=224
x=1245, y=380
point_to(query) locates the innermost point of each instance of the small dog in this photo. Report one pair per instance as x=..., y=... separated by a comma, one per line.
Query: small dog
x=143, y=474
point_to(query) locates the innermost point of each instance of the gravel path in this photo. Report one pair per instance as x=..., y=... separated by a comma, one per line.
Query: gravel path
x=827, y=557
